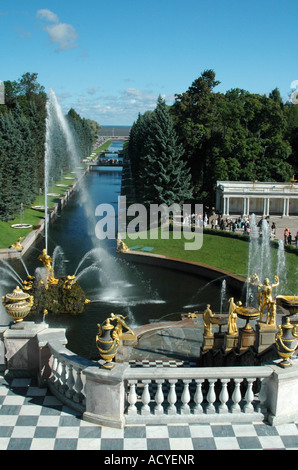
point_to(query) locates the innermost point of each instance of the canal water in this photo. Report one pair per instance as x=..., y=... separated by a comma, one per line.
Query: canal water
x=141, y=293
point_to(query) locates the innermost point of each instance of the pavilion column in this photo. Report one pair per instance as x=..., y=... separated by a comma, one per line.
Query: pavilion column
x=266, y=206
x=226, y=205
x=244, y=207
x=285, y=211
x=247, y=206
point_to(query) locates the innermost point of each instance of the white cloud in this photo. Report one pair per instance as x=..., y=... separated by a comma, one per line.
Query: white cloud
x=47, y=15
x=59, y=33
x=63, y=34
x=116, y=109
x=113, y=109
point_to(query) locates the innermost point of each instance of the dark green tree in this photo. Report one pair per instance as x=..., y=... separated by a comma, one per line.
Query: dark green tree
x=161, y=171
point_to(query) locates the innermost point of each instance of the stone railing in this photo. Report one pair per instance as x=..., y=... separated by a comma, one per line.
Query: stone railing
x=132, y=395
x=66, y=380
x=199, y=394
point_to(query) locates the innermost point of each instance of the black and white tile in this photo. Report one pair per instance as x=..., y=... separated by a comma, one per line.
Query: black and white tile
x=31, y=418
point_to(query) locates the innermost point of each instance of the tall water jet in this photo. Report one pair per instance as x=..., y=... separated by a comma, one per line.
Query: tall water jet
x=58, y=262
x=223, y=294
x=48, y=151
x=259, y=256
x=281, y=266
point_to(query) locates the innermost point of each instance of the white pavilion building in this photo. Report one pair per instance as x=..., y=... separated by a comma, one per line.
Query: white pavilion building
x=248, y=197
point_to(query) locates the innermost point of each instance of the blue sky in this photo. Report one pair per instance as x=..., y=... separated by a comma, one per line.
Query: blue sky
x=110, y=60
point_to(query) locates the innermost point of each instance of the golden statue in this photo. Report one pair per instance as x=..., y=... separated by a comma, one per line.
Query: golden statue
x=121, y=246
x=266, y=301
x=192, y=315
x=209, y=319
x=232, y=326
x=264, y=297
x=121, y=324
x=18, y=246
x=69, y=281
x=47, y=262
x=28, y=283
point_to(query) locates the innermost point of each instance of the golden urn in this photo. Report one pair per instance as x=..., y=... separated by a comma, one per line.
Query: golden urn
x=107, y=343
x=286, y=341
x=17, y=304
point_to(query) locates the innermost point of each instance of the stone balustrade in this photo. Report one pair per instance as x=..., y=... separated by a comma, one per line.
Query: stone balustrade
x=227, y=393
x=67, y=381
x=132, y=395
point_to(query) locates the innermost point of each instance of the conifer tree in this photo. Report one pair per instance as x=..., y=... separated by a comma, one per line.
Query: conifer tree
x=164, y=177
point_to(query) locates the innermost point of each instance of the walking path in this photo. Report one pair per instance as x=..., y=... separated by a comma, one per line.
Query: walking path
x=31, y=418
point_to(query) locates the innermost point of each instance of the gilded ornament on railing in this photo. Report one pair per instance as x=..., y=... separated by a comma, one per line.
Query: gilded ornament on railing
x=107, y=343
x=17, y=304
x=286, y=341
x=109, y=337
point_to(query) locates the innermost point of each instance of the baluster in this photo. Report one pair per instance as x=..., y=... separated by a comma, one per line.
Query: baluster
x=63, y=386
x=70, y=383
x=54, y=366
x=78, y=397
x=172, y=397
x=132, y=398
x=262, y=395
x=249, y=396
x=198, y=397
x=145, y=410
x=185, y=397
x=223, y=397
x=236, y=397
x=159, y=398
x=58, y=373
x=211, y=397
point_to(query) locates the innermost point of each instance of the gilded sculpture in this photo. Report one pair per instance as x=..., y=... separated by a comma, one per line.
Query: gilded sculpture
x=47, y=262
x=264, y=298
x=121, y=246
x=232, y=320
x=209, y=319
x=109, y=337
x=18, y=246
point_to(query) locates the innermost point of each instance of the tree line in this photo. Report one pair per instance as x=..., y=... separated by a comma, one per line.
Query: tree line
x=179, y=152
x=22, y=144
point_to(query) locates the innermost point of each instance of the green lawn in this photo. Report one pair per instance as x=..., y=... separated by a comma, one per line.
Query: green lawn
x=9, y=235
x=218, y=251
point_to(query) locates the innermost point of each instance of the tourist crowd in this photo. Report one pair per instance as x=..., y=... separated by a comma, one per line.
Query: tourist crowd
x=243, y=224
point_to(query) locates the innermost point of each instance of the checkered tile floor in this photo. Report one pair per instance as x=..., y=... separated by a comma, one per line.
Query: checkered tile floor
x=31, y=418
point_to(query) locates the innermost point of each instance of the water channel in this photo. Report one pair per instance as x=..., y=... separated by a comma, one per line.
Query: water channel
x=140, y=292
